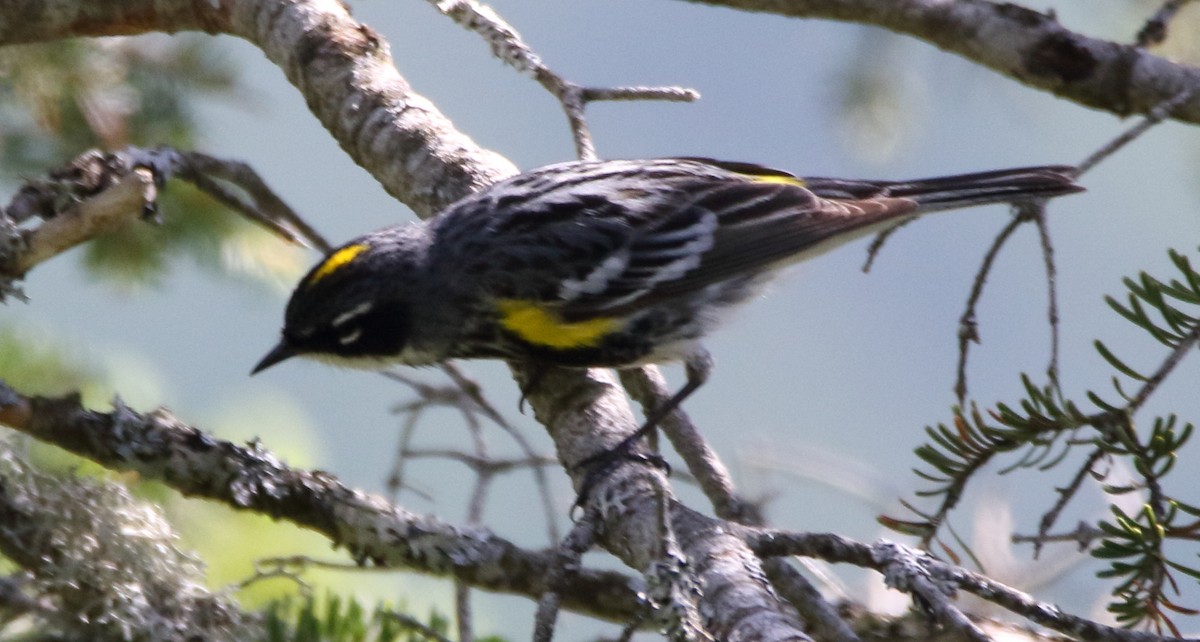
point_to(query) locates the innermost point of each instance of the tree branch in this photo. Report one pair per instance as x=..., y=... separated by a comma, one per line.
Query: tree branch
x=1020, y=43
x=901, y=565
x=101, y=564
x=159, y=446
x=111, y=209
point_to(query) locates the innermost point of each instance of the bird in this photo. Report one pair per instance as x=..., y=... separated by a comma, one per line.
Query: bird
x=606, y=263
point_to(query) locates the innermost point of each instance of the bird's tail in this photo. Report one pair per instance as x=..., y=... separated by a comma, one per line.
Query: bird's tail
x=962, y=190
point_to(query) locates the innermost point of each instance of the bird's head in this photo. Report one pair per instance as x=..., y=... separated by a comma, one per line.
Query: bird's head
x=354, y=307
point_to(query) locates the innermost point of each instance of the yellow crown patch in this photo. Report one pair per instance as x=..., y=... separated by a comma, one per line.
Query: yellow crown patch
x=335, y=261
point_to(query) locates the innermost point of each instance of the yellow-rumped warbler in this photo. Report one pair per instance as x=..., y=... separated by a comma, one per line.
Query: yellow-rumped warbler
x=600, y=263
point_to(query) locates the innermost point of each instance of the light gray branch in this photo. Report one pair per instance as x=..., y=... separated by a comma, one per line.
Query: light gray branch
x=507, y=45
x=1018, y=42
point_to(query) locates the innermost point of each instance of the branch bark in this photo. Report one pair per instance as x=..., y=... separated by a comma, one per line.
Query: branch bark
x=157, y=445
x=110, y=210
x=1023, y=44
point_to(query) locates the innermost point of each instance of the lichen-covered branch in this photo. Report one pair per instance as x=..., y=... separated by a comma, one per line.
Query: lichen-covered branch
x=103, y=565
x=159, y=446
x=88, y=198
x=97, y=193
x=903, y=566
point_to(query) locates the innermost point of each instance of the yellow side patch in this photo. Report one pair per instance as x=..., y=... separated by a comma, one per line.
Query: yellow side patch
x=535, y=324
x=336, y=260
x=780, y=179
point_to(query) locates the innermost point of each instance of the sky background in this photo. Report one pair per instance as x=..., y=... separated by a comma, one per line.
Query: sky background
x=822, y=387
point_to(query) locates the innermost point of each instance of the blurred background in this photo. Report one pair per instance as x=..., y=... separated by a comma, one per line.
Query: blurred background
x=821, y=390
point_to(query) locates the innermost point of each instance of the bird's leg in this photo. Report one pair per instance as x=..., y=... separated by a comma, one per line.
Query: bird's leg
x=697, y=366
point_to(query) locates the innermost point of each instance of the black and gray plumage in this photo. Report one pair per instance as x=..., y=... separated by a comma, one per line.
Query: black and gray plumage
x=601, y=263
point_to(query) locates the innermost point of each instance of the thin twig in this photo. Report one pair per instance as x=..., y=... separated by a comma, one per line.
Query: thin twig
x=568, y=555
x=1186, y=343
x=473, y=391
x=488, y=464
x=1155, y=29
x=264, y=207
x=1036, y=210
x=880, y=239
x=968, y=329
x=1065, y=495
x=508, y=46
x=882, y=556
x=1083, y=536
x=483, y=482
x=99, y=192
x=466, y=395
x=1161, y=112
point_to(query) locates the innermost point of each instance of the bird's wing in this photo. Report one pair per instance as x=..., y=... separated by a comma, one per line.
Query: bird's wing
x=719, y=230
x=626, y=235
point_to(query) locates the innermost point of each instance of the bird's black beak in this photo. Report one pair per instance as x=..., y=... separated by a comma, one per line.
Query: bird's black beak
x=283, y=350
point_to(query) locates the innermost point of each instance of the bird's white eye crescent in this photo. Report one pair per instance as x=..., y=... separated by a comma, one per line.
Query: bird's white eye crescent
x=356, y=311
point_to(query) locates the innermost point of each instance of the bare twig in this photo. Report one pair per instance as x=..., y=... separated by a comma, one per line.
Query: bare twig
x=1185, y=345
x=1065, y=495
x=507, y=45
x=1159, y=113
x=215, y=177
x=264, y=206
x=968, y=327
x=567, y=560
x=467, y=396
x=1155, y=29
x=1036, y=210
x=880, y=240
x=1083, y=536
x=472, y=389
x=489, y=465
